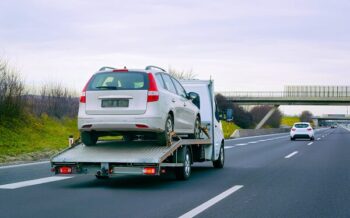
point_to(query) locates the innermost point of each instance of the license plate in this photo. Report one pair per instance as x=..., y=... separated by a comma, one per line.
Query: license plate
x=115, y=103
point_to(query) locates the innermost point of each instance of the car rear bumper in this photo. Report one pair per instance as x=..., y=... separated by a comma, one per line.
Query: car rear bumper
x=121, y=123
x=301, y=136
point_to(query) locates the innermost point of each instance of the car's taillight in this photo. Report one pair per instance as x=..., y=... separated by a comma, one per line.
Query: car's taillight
x=153, y=94
x=83, y=93
x=83, y=97
x=309, y=129
x=293, y=129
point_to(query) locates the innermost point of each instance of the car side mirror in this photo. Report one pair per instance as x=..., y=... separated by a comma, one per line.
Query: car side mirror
x=192, y=95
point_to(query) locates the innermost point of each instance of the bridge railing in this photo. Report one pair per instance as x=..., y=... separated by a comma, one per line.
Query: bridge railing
x=288, y=94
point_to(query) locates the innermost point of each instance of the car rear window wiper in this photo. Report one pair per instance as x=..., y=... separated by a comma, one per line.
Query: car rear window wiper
x=106, y=87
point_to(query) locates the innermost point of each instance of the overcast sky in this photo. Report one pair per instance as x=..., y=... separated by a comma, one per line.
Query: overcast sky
x=242, y=45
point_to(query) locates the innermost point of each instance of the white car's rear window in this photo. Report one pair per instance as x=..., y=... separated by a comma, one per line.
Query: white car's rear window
x=119, y=81
x=301, y=125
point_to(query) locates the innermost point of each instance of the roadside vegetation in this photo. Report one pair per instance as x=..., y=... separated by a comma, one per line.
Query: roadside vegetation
x=289, y=120
x=228, y=128
x=34, y=123
x=247, y=119
x=35, y=137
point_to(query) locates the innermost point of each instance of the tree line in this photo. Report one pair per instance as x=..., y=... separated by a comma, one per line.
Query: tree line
x=249, y=119
x=16, y=100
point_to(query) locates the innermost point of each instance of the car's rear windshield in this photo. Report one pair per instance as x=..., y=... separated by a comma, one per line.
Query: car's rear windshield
x=119, y=81
x=301, y=125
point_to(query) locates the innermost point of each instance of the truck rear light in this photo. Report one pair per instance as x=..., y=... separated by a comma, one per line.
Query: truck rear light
x=141, y=126
x=153, y=94
x=149, y=171
x=293, y=129
x=65, y=170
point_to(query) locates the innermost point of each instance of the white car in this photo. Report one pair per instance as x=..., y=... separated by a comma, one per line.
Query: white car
x=302, y=130
x=136, y=104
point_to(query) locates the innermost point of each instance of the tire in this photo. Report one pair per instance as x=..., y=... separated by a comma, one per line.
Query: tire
x=312, y=138
x=197, y=129
x=292, y=138
x=184, y=172
x=164, y=137
x=220, y=162
x=88, y=138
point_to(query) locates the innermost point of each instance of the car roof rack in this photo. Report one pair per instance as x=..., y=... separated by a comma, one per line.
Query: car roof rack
x=106, y=68
x=151, y=66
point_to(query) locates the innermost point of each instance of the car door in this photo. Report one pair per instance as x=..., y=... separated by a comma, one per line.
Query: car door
x=188, y=110
x=175, y=100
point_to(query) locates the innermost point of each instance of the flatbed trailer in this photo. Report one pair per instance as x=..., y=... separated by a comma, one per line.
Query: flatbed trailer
x=142, y=157
x=108, y=158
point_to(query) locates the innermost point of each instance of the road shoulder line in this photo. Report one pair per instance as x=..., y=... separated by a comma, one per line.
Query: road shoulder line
x=34, y=182
x=23, y=165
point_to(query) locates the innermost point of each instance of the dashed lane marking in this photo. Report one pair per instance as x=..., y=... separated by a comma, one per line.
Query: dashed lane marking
x=211, y=202
x=291, y=154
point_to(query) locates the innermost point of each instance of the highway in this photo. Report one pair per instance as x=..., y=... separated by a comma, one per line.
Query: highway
x=266, y=176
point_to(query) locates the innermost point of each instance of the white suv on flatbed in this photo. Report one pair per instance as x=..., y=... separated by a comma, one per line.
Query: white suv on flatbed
x=147, y=104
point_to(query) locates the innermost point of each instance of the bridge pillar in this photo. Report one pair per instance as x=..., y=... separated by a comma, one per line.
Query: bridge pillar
x=315, y=122
x=267, y=116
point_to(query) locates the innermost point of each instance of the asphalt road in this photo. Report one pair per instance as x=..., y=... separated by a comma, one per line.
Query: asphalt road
x=268, y=176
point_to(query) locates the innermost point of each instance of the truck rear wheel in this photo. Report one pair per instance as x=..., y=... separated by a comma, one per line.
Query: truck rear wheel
x=220, y=162
x=184, y=172
x=88, y=138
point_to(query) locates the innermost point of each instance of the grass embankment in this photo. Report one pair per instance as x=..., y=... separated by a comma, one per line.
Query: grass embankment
x=228, y=128
x=34, y=138
x=289, y=121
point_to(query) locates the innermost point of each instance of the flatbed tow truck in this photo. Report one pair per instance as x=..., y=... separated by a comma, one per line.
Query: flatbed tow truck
x=142, y=157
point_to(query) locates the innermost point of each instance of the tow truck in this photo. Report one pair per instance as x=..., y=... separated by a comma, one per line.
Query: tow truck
x=146, y=157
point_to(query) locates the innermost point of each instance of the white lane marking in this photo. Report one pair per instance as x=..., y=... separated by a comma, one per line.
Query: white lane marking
x=34, y=182
x=241, y=144
x=211, y=202
x=23, y=165
x=310, y=143
x=291, y=154
x=318, y=139
x=253, y=142
x=250, y=137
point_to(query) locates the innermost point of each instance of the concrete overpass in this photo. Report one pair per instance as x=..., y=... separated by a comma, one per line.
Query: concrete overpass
x=292, y=95
x=339, y=118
